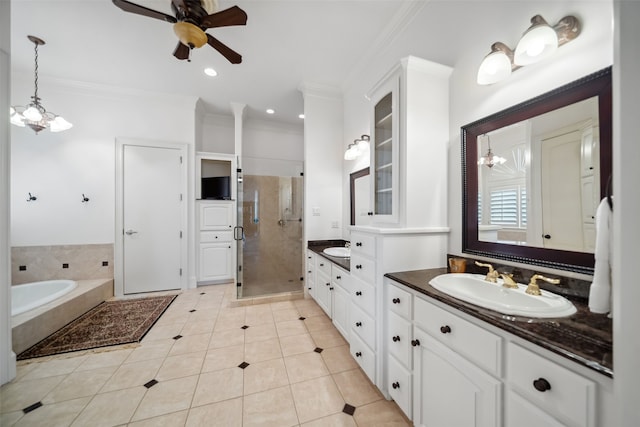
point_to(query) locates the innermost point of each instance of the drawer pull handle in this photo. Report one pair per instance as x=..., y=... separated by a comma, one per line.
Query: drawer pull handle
x=321, y=265
x=358, y=324
x=541, y=385
x=309, y=288
x=359, y=267
x=327, y=284
x=358, y=354
x=358, y=293
x=445, y=329
x=309, y=271
x=395, y=385
x=415, y=343
x=331, y=288
x=358, y=243
x=396, y=300
x=338, y=277
x=396, y=338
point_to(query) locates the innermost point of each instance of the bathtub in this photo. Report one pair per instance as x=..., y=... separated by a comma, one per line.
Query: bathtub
x=28, y=296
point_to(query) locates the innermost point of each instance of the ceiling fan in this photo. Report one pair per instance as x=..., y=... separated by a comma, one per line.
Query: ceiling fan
x=192, y=18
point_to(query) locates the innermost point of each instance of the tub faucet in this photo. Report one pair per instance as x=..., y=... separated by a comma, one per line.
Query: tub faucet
x=533, y=288
x=492, y=275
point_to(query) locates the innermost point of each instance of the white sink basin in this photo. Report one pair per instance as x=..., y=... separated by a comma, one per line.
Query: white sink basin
x=474, y=289
x=341, y=252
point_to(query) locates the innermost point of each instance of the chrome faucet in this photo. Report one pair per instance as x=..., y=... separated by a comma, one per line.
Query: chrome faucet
x=508, y=281
x=492, y=275
x=534, y=289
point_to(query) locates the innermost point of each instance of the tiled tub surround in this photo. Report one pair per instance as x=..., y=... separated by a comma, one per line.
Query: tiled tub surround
x=318, y=246
x=75, y=262
x=585, y=337
x=34, y=325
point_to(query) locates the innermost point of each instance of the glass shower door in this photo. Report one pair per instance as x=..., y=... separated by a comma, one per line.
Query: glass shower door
x=270, y=253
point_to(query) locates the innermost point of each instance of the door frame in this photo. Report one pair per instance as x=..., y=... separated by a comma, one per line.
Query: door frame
x=118, y=258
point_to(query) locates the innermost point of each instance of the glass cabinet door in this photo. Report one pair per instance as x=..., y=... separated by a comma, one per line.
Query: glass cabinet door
x=384, y=159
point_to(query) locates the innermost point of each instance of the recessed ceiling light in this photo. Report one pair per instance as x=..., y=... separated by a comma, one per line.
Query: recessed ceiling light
x=301, y=116
x=270, y=111
x=210, y=72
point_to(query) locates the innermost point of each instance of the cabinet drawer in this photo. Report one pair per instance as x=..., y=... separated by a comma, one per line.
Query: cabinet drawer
x=570, y=398
x=363, y=325
x=323, y=265
x=364, y=356
x=399, y=338
x=477, y=344
x=322, y=279
x=399, y=386
x=364, y=296
x=399, y=301
x=215, y=236
x=363, y=244
x=341, y=278
x=364, y=268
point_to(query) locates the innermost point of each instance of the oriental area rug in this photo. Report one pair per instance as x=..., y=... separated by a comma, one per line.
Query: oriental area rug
x=109, y=323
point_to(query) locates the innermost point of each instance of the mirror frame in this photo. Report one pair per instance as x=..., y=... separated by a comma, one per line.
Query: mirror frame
x=352, y=190
x=596, y=84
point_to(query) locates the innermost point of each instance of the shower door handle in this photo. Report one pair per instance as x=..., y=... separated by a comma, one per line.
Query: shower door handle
x=238, y=232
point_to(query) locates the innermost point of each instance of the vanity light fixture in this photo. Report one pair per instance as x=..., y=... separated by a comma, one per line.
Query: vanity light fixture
x=34, y=114
x=490, y=159
x=539, y=41
x=359, y=146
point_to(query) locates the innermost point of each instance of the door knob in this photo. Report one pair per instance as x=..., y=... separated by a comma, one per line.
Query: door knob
x=130, y=232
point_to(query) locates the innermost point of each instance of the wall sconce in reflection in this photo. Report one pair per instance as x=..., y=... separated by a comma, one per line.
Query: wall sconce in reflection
x=359, y=146
x=538, y=42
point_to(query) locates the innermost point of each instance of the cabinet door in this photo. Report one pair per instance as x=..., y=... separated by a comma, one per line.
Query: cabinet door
x=448, y=390
x=523, y=413
x=384, y=153
x=322, y=292
x=340, y=306
x=216, y=215
x=215, y=261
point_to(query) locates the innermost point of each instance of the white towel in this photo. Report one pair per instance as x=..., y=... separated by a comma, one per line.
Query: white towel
x=600, y=291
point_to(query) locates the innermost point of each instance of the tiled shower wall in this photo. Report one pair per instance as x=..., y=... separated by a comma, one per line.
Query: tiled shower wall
x=76, y=262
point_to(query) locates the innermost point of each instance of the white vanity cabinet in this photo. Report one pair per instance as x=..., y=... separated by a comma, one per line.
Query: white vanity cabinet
x=466, y=372
x=330, y=285
x=216, y=246
x=410, y=123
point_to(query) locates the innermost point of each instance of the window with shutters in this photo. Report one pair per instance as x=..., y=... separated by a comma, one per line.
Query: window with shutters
x=508, y=207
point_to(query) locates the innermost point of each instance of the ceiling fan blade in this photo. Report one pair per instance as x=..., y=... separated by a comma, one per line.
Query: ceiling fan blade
x=141, y=10
x=233, y=56
x=225, y=18
x=182, y=51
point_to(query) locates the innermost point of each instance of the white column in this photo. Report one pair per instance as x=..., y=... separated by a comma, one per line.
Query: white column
x=238, y=114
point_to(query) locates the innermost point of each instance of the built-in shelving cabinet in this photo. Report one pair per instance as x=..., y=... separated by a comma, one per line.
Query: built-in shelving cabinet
x=408, y=146
x=216, y=217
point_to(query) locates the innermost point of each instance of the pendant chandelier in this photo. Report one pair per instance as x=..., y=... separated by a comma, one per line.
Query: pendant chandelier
x=490, y=159
x=34, y=114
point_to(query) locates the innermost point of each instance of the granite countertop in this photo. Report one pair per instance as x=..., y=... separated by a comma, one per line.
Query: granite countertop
x=318, y=246
x=584, y=337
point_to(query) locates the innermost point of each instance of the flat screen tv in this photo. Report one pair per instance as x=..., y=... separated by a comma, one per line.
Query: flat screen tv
x=216, y=188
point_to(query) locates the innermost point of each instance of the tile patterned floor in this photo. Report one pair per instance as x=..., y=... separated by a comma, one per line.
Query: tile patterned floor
x=206, y=363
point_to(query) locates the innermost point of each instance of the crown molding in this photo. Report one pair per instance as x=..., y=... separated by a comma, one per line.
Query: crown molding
x=320, y=90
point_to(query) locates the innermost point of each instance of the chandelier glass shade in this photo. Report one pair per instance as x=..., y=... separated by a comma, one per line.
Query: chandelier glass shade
x=489, y=160
x=34, y=115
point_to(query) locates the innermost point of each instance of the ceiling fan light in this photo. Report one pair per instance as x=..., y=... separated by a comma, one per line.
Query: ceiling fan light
x=538, y=42
x=189, y=34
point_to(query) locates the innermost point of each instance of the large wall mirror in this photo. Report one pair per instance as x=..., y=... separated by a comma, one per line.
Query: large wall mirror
x=534, y=174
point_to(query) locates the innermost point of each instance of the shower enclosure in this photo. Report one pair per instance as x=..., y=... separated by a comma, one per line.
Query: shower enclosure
x=270, y=246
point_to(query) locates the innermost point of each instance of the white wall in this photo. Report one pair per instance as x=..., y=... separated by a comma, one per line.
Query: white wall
x=323, y=189
x=7, y=357
x=626, y=233
x=58, y=168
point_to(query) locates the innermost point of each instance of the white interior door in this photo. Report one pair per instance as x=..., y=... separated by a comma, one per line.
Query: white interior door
x=561, y=189
x=152, y=218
